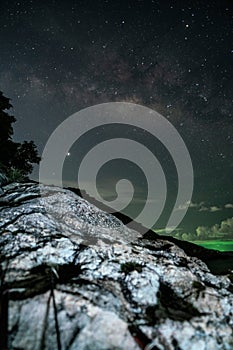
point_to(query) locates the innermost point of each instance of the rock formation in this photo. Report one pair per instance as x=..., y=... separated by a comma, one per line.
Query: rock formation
x=3, y=179
x=75, y=277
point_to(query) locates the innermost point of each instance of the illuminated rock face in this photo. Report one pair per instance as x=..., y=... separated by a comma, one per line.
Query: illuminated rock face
x=112, y=289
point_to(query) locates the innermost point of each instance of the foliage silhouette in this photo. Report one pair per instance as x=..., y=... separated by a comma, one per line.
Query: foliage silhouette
x=16, y=159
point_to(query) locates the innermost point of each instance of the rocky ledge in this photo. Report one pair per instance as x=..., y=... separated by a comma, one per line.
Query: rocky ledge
x=75, y=277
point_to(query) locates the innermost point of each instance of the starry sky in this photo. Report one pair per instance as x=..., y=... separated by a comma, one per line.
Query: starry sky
x=58, y=57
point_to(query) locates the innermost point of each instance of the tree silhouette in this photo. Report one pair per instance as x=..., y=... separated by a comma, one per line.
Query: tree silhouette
x=14, y=156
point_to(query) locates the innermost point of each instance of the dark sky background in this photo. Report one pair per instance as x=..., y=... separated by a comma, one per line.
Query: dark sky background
x=175, y=57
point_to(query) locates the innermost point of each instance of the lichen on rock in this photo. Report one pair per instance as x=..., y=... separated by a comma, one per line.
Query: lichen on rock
x=112, y=289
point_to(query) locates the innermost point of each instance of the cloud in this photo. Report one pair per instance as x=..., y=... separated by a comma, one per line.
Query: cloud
x=196, y=205
x=203, y=207
x=211, y=209
x=183, y=206
x=222, y=230
x=188, y=204
x=226, y=226
x=214, y=208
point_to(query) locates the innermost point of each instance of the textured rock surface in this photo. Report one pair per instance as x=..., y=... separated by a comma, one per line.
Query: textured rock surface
x=112, y=289
x=3, y=179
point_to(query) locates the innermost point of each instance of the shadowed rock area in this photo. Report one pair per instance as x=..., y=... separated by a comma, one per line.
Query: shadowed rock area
x=75, y=277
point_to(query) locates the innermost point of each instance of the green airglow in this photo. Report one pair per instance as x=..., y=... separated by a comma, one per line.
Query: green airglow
x=223, y=246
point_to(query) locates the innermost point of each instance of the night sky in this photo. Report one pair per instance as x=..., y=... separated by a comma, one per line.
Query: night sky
x=175, y=57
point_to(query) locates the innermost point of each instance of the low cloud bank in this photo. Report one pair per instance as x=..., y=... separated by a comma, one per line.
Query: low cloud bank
x=223, y=231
